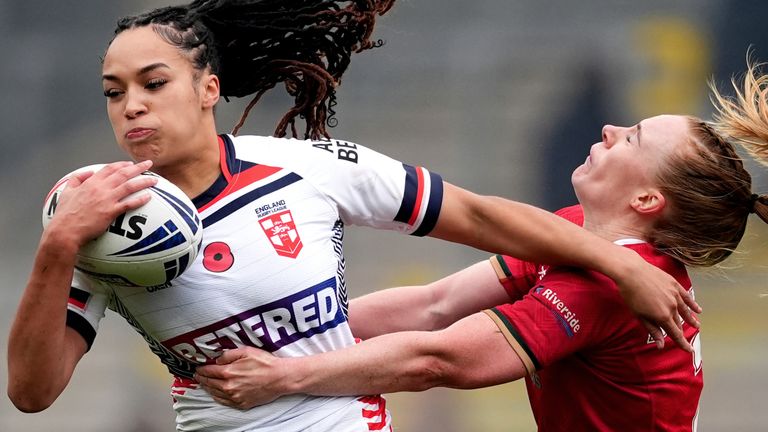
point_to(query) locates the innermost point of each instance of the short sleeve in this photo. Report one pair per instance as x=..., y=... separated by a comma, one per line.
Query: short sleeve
x=367, y=187
x=85, y=307
x=516, y=276
x=563, y=314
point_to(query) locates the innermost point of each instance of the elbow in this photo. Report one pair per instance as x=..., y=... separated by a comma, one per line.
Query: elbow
x=437, y=317
x=30, y=405
x=434, y=372
x=28, y=401
x=450, y=368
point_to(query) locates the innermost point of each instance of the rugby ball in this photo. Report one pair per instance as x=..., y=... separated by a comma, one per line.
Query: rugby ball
x=148, y=246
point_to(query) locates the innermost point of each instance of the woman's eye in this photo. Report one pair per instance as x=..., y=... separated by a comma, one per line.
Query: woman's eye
x=111, y=93
x=155, y=84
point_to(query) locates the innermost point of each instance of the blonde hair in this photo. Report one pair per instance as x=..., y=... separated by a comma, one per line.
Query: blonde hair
x=708, y=194
x=744, y=118
x=708, y=190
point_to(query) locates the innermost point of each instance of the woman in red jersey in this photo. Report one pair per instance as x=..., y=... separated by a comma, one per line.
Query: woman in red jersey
x=670, y=188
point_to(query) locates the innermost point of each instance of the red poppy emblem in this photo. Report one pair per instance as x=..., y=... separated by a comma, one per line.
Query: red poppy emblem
x=281, y=232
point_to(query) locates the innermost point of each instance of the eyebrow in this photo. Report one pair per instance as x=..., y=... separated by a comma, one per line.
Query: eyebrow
x=145, y=70
x=639, y=131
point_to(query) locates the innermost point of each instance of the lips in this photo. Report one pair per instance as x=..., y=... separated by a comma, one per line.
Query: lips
x=139, y=133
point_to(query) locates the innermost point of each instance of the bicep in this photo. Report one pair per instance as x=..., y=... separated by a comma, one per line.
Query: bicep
x=457, y=216
x=477, y=354
x=76, y=348
x=466, y=292
x=390, y=310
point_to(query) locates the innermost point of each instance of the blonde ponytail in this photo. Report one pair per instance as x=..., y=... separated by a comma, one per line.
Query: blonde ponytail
x=744, y=116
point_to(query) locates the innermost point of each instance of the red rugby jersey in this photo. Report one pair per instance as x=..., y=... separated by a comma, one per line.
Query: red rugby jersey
x=592, y=365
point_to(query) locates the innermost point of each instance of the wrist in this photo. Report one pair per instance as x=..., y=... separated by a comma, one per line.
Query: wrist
x=59, y=242
x=294, y=376
x=622, y=263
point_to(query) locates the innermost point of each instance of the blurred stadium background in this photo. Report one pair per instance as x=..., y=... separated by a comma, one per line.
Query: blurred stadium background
x=502, y=97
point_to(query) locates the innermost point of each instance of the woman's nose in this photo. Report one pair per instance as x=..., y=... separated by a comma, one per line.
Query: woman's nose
x=134, y=106
x=609, y=134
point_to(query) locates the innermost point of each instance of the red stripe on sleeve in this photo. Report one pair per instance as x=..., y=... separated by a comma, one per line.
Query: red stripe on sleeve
x=76, y=303
x=419, y=196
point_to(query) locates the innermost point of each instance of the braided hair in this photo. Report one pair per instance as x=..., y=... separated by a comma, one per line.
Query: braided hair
x=252, y=45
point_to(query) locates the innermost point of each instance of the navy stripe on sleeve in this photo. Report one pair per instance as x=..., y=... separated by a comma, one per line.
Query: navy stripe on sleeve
x=409, y=195
x=433, y=207
x=82, y=326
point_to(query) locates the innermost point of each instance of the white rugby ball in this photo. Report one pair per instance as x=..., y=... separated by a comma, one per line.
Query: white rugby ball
x=148, y=246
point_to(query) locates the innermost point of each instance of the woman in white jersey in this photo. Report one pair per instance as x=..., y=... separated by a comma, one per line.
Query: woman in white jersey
x=672, y=188
x=163, y=74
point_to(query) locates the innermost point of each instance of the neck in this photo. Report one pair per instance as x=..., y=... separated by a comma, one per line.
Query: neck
x=614, y=232
x=616, y=227
x=198, y=171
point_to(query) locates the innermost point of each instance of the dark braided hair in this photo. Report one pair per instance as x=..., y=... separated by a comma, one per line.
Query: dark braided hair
x=252, y=45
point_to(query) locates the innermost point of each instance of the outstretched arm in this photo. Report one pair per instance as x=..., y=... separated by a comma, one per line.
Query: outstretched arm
x=472, y=353
x=42, y=350
x=433, y=306
x=526, y=232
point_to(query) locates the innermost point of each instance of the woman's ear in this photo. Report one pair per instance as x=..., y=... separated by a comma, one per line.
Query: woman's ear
x=210, y=90
x=649, y=202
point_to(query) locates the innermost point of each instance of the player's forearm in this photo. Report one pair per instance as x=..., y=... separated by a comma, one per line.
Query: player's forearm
x=391, y=310
x=523, y=231
x=38, y=353
x=427, y=307
x=386, y=364
x=559, y=242
x=472, y=353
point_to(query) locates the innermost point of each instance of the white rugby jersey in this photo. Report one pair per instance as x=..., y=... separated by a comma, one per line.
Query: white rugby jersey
x=270, y=273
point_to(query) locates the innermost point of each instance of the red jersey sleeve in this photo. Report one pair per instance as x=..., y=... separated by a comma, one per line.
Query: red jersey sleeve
x=568, y=311
x=516, y=276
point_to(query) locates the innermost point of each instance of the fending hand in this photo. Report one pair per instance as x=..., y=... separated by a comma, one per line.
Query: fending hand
x=661, y=303
x=242, y=378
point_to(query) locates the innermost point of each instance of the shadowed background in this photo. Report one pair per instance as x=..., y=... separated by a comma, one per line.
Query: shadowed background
x=499, y=97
